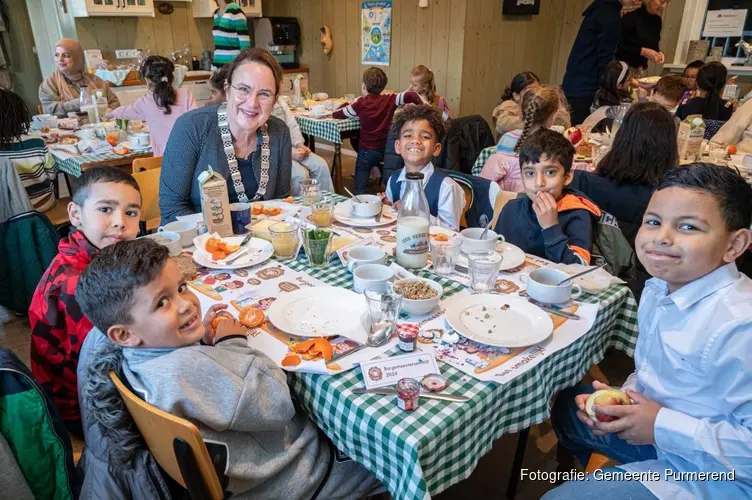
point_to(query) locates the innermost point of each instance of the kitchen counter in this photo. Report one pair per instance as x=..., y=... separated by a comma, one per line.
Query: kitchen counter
x=133, y=80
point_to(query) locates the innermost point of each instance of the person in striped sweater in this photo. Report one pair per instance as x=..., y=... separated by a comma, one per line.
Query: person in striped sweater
x=230, y=32
x=30, y=157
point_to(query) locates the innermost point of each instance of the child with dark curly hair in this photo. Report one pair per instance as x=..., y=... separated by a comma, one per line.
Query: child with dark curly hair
x=421, y=130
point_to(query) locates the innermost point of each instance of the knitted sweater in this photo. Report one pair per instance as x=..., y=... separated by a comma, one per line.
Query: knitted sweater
x=195, y=144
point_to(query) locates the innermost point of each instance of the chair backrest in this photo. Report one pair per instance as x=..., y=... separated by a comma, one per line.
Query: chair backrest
x=148, y=183
x=465, y=139
x=141, y=164
x=160, y=430
x=480, y=197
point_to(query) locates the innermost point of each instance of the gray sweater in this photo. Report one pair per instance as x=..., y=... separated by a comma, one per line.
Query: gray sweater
x=240, y=401
x=195, y=143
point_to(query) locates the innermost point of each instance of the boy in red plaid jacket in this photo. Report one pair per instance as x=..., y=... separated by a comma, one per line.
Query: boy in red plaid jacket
x=105, y=209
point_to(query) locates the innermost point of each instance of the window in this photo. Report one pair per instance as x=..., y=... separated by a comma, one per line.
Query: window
x=693, y=22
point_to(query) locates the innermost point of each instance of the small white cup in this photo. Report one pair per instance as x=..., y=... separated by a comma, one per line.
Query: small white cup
x=361, y=256
x=319, y=109
x=369, y=275
x=140, y=139
x=186, y=230
x=86, y=134
x=169, y=239
x=370, y=206
x=471, y=241
x=541, y=286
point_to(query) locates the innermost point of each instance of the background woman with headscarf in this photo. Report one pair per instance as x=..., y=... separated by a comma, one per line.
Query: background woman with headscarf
x=59, y=93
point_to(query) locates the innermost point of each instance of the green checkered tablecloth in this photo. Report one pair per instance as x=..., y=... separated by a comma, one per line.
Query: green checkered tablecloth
x=328, y=129
x=419, y=454
x=482, y=159
x=72, y=165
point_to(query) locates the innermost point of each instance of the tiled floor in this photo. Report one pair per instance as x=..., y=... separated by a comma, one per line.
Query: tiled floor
x=490, y=478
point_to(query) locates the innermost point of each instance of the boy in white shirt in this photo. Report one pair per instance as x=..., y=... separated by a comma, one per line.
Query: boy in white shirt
x=692, y=388
x=421, y=132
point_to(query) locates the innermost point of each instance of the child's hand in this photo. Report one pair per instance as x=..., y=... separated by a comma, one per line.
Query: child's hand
x=546, y=210
x=636, y=423
x=211, y=314
x=228, y=328
x=583, y=417
x=384, y=199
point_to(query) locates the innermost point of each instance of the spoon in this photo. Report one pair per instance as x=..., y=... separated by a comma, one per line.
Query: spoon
x=354, y=197
x=380, y=336
x=580, y=274
x=483, y=218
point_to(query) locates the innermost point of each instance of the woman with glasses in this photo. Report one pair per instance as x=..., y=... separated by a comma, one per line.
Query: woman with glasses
x=239, y=139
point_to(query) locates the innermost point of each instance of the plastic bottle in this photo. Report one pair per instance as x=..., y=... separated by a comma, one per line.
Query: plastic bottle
x=413, y=224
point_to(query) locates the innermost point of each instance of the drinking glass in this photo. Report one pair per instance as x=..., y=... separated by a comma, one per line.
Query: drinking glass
x=318, y=246
x=322, y=213
x=384, y=304
x=310, y=191
x=483, y=266
x=444, y=255
x=285, y=239
x=350, y=98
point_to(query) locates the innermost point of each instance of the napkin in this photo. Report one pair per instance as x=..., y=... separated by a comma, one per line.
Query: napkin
x=200, y=243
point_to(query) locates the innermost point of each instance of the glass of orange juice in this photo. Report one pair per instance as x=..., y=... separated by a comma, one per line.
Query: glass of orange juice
x=285, y=239
x=113, y=136
x=322, y=213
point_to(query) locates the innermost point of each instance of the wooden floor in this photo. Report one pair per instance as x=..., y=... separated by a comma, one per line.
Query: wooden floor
x=489, y=480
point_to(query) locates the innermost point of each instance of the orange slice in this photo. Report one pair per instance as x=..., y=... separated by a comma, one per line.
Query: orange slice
x=251, y=317
x=291, y=359
x=257, y=208
x=302, y=347
x=272, y=211
x=324, y=348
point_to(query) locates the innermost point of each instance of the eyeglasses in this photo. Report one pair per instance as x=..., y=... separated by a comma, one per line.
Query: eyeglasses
x=243, y=93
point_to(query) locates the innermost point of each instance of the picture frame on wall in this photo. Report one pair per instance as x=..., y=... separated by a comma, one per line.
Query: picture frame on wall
x=520, y=7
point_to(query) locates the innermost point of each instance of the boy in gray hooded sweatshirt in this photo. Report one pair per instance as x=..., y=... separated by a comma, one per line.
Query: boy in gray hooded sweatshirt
x=266, y=447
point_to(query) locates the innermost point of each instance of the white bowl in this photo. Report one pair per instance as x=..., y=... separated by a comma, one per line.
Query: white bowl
x=421, y=307
x=370, y=206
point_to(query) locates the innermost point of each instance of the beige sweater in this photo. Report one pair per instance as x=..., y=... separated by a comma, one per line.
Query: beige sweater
x=738, y=130
x=54, y=103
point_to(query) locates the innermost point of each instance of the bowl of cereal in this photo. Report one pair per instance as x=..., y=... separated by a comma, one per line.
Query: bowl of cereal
x=419, y=296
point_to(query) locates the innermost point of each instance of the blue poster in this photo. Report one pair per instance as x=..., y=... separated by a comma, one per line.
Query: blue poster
x=376, y=32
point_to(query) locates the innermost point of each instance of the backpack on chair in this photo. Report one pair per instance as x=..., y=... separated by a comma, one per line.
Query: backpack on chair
x=611, y=247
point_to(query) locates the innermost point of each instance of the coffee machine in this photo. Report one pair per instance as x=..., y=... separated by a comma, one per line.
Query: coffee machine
x=281, y=37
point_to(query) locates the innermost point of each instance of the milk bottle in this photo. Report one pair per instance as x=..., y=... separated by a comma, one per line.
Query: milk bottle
x=413, y=224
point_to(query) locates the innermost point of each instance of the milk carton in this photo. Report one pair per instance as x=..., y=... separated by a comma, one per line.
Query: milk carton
x=215, y=203
x=691, y=133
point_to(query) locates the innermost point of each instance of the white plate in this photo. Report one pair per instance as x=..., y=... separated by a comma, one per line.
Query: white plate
x=127, y=144
x=521, y=325
x=288, y=210
x=320, y=311
x=259, y=251
x=511, y=257
x=342, y=214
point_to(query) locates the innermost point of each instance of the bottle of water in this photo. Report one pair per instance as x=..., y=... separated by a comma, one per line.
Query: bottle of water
x=413, y=224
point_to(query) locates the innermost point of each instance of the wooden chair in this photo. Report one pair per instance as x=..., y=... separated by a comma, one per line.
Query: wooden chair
x=141, y=164
x=175, y=443
x=467, y=190
x=148, y=183
x=597, y=461
x=58, y=214
x=502, y=199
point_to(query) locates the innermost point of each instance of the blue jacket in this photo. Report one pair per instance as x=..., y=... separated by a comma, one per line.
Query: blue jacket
x=568, y=242
x=594, y=47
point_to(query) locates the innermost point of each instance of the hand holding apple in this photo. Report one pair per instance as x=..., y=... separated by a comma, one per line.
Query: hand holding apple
x=582, y=416
x=635, y=423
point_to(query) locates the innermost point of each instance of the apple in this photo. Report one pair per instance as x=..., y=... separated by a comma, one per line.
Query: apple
x=605, y=397
x=574, y=134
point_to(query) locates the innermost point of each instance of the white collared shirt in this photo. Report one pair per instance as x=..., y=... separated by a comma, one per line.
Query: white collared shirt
x=451, y=198
x=694, y=357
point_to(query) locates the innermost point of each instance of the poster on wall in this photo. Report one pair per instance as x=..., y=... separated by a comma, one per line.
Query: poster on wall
x=376, y=32
x=521, y=7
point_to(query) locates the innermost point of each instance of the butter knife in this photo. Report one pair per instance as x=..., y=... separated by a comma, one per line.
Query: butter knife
x=553, y=310
x=242, y=251
x=428, y=395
